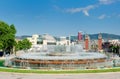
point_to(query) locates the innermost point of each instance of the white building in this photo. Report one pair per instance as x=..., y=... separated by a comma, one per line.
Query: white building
x=41, y=41
x=33, y=39
x=114, y=41
x=63, y=41
x=46, y=39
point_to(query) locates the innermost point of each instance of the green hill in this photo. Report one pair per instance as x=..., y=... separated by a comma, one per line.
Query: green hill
x=105, y=36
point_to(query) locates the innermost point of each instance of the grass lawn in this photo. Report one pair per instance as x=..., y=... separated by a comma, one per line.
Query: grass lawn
x=58, y=71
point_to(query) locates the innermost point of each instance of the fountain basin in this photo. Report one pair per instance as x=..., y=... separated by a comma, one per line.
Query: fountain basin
x=65, y=61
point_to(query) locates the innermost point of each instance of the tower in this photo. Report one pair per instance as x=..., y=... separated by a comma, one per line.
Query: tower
x=79, y=36
x=86, y=42
x=99, y=42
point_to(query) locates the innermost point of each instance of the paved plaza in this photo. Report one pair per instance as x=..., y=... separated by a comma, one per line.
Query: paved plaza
x=111, y=75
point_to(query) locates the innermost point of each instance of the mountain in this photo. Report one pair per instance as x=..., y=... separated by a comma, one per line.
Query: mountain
x=23, y=37
x=105, y=36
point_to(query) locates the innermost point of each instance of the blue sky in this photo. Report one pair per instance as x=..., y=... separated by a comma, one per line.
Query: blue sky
x=61, y=17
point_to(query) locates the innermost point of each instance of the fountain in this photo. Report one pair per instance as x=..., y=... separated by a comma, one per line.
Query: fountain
x=61, y=57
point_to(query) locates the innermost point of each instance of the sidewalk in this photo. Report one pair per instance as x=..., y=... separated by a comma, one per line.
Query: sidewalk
x=111, y=75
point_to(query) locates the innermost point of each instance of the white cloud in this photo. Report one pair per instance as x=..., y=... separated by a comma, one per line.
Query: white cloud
x=86, y=12
x=74, y=10
x=106, y=1
x=84, y=9
x=102, y=16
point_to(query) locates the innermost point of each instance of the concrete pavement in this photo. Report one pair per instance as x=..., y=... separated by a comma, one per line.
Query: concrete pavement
x=110, y=75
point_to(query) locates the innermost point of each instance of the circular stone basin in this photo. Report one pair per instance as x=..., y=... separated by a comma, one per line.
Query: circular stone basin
x=63, y=60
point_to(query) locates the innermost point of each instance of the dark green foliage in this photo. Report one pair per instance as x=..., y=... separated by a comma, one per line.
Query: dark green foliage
x=114, y=49
x=23, y=45
x=2, y=63
x=7, y=36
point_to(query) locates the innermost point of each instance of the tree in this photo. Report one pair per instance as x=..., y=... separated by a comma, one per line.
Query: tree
x=23, y=45
x=114, y=48
x=7, y=37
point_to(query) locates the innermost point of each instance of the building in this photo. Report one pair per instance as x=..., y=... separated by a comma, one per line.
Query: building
x=46, y=39
x=33, y=39
x=87, y=44
x=63, y=41
x=79, y=36
x=114, y=41
x=40, y=42
x=99, y=42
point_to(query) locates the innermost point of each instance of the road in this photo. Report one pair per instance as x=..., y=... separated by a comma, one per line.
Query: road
x=111, y=75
